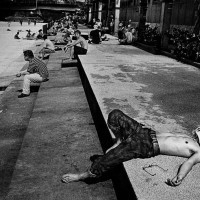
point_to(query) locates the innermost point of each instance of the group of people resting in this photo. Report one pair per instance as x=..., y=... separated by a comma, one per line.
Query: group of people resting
x=132, y=139
x=30, y=36
x=127, y=36
x=37, y=71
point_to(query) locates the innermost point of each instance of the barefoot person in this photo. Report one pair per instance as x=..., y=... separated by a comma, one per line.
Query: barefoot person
x=136, y=141
x=77, y=50
x=47, y=47
x=36, y=72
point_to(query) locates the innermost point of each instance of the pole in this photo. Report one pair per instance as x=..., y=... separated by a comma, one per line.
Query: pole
x=36, y=4
x=108, y=13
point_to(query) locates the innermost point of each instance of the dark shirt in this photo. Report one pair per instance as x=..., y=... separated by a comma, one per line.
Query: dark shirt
x=95, y=36
x=39, y=67
x=120, y=34
x=16, y=36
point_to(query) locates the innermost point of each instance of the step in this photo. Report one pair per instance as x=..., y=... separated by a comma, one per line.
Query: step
x=60, y=138
x=15, y=114
x=68, y=63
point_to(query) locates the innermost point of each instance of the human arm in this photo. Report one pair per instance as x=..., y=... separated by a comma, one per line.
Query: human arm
x=184, y=169
x=74, y=43
x=22, y=73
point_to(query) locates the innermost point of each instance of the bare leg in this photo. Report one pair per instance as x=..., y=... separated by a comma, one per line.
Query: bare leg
x=68, y=178
x=71, y=52
x=114, y=146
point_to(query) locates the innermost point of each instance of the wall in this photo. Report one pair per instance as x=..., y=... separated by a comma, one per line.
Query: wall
x=183, y=12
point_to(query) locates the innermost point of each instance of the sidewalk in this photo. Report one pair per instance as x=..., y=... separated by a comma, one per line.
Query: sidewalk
x=155, y=90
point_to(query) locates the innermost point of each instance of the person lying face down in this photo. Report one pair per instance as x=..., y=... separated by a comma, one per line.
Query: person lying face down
x=133, y=140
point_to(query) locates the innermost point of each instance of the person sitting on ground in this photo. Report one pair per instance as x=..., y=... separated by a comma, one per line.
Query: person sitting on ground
x=128, y=39
x=71, y=30
x=121, y=34
x=17, y=35
x=77, y=50
x=40, y=35
x=133, y=140
x=67, y=38
x=36, y=72
x=134, y=34
x=47, y=47
x=28, y=35
x=95, y=35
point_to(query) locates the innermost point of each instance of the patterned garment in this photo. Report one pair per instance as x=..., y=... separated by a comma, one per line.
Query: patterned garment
x=39, y=67
x=136, y=142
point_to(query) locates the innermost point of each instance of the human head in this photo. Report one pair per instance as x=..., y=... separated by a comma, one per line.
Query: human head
x=95, y=26
x=28, y=54
x=44, y=37
x=197, y=131
x=77, y=33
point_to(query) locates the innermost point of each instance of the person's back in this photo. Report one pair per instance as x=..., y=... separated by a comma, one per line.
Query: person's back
x=95, y=36
x=49, y=44
x=83, y=42
x=129, y=37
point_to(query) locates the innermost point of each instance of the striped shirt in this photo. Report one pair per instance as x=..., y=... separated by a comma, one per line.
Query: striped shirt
x=39, y=67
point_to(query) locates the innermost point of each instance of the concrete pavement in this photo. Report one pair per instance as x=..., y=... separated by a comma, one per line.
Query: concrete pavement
x=157, y=91
x=60, y=138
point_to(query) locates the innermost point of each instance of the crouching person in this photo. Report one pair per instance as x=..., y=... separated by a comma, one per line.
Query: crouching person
x=36, y=72
x=136, y=141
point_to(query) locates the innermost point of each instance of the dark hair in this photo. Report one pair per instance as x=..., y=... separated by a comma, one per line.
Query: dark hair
x=44, y=37
x=28, y=53
x=77, y=31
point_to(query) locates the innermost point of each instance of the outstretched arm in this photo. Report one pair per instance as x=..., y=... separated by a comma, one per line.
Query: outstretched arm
x=74, y=43
x=184, y=169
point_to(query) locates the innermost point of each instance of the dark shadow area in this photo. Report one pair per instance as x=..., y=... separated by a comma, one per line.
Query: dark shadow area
x=3, y=88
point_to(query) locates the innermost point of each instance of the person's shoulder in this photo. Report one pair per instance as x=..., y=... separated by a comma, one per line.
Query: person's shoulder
x=82, y=38
x=37, y=60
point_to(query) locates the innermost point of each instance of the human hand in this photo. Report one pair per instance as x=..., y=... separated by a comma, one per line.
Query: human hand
x=173, y=182
x=18, y=74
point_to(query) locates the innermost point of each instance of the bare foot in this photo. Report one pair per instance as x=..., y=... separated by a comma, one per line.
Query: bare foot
x=68, y=178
